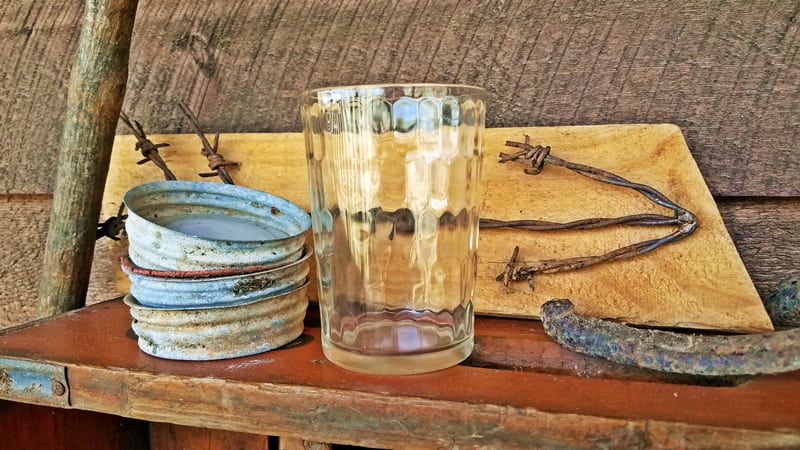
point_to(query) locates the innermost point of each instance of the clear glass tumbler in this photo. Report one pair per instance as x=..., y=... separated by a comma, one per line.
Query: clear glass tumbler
x=394, y=176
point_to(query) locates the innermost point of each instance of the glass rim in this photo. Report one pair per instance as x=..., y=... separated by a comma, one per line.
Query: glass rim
x=314, y=93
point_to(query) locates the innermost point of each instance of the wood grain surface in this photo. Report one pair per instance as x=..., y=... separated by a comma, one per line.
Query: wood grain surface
x=699, y=282
x=21, y=255
x=726, y=72
x=295, y=392
x=166, y=436
x=25, y=426
x=766, y=235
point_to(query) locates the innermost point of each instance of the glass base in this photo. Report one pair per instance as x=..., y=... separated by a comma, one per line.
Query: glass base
x=400, y=364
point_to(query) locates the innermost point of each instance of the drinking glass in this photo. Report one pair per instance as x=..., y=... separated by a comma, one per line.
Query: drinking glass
x=394, y=175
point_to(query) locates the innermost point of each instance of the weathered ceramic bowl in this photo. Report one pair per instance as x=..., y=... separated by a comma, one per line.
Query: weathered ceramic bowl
x=196, y=225
x=222, y=332
x=167, y=289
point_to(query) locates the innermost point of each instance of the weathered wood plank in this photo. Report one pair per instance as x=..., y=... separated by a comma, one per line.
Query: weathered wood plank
x=699, y=282
x=767, y=235
x=727, y=73
x=167, y=436
x=38, y=40
x=297, y=393
x=25, y=426
x=21, y=255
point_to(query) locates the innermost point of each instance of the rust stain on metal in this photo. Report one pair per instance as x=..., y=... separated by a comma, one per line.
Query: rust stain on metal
x=33, y=389
x=57, y=387
x=220, y=332
x=5, y=380
x=127, y=264
x=783, y=305
x=251, y=285
x=714, y=355
x=33, y=382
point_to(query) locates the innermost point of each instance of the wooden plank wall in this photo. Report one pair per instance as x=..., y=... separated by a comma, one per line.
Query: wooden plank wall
x=24, y=426
x=726, y=72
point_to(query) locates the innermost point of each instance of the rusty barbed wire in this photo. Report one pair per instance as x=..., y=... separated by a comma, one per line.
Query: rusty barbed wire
x=146, y=146
x=215, y=161
x=535, y=157
x=113, y=226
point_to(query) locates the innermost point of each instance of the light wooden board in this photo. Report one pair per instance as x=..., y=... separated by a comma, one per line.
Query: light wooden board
x=699, y=282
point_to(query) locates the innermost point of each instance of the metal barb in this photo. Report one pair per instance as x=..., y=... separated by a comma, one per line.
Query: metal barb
x=215, y=161
x=113, y=226
x=535, y=157
x=146, y=146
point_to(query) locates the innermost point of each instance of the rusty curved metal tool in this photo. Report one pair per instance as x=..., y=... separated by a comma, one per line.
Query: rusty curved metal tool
x=709, y=355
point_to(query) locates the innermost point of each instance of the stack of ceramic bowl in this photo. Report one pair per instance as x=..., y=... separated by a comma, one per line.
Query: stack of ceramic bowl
x=217, y=271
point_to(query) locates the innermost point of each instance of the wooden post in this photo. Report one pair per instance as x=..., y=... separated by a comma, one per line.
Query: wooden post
x=96, y=91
